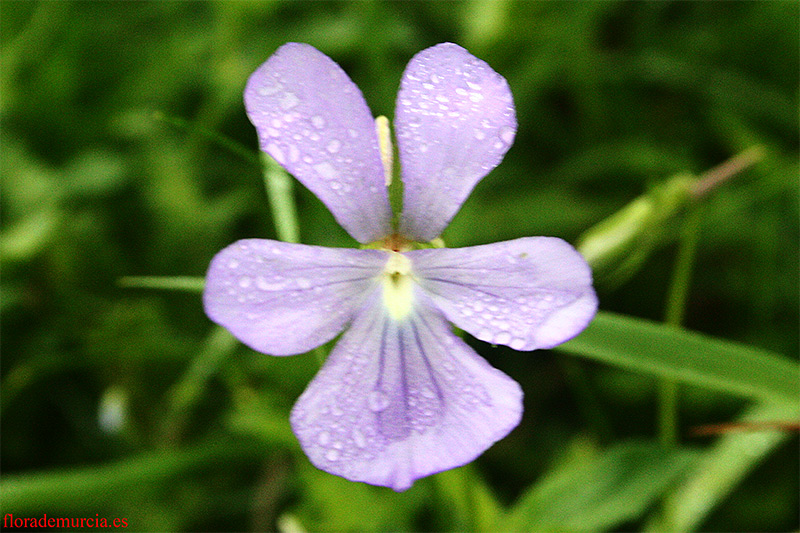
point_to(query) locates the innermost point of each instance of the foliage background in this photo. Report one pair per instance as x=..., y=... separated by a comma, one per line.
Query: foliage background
x=125, y=402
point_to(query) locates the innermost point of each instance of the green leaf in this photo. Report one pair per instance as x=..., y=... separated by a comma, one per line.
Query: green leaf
x=689, y=357
x=81, y=488
x=722, y=467
x=593, y=493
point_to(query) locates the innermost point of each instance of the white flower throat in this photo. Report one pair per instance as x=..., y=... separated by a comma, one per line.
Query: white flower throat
x=398, y=286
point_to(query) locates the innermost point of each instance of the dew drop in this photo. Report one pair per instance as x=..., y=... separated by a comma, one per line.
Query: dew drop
x=233, y=263
x=325, y=170
x=507, y=134
x=324, y=438
x=332, y=454
x=502, y=338
x=377, y=401
x=479, y=135
x=270, y=90
x=276, y=152
x=359, y=438
x=244, y=282
x=333, y=146
x=288, y=101
x=294, y=154
x=475, y=97
x=318, y=122
x=517, y=343
x=303, y=283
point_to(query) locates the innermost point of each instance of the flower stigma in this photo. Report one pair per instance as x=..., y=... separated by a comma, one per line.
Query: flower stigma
x=398, y=286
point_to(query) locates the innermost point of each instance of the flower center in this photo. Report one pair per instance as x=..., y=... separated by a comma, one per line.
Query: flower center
x=398, y=287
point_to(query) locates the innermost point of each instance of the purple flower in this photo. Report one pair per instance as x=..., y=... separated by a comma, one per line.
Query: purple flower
x=400, y=397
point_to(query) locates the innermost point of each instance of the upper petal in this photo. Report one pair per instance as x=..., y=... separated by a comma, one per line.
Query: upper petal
x=314, y=121
x=400, y=400
x=529, y=293
x=284, y=299
x=455, y=120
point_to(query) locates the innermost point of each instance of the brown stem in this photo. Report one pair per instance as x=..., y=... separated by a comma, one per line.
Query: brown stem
x=718, y=175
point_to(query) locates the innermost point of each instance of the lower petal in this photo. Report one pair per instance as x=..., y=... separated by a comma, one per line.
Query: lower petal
x=400, y=400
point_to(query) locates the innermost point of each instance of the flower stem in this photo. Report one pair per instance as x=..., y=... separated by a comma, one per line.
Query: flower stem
x=669, y=393
x=675, y=310
x=281, y=200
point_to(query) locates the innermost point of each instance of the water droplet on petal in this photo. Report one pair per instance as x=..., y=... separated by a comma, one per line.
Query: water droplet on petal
x=332, y=454
x=244, y=282
x=303, y=283
x=270, y=90
x=507, y=134
x=502, y=338
x=325, y=170
x=288, y=101
x=233, y=263
x=359, y=438
x=294, y=154
x=324, y=438
x=377, y=401
x=517, y=343
x=333, y=146
x=276, y=152
x=318, y=122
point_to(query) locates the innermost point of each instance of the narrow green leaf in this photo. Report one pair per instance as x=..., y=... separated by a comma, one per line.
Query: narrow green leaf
x=723, y=466
x=81, y=488
x=598, y=493
x=689, y=357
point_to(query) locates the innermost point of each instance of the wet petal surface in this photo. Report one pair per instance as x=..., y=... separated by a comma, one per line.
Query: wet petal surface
x=454, y=120
x=284, y=299
x=313, y=120
x=528, y=293
x=400, y=400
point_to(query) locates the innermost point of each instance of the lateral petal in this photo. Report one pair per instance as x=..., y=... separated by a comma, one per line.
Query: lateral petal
x=313, y=120
x=529, y=293
x=400, y=400
x=284, y=299
x=455, y=120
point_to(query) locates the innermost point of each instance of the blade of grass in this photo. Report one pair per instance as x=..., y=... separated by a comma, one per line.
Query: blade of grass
x=87, y=488
x=689, y=357
x=722, y=467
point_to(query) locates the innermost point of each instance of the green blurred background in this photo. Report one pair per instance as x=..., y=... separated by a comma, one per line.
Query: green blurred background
x=126, y=403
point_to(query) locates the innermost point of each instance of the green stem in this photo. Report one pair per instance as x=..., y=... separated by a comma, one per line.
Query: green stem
x=172, y=283
x=675, y=310
x=281, y=200
x=187, y=391
x=225, y=142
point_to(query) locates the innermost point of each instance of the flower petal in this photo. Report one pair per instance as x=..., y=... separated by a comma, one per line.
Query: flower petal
x=400, y=400
x=314, y=121
x=455, y=120
x=528, y=293
x=285, y=299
